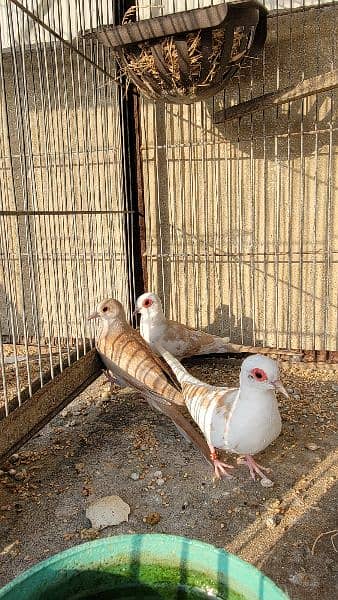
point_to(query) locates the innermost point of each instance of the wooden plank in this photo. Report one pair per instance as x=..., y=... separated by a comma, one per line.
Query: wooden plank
x=26, y=420
x=308, y=87
x=13, y=403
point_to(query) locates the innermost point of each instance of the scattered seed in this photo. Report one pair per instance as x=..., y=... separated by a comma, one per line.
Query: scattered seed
x=152, y=518
x=311, y=446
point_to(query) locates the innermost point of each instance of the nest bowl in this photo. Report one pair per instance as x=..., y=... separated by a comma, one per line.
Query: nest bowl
x=187, y=56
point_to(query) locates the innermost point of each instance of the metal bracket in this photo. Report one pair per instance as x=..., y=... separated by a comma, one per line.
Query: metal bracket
x=308, y=87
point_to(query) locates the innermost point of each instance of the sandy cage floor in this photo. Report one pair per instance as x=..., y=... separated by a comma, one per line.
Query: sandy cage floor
x=92, y=449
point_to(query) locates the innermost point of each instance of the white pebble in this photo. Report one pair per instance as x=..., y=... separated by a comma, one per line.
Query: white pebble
x=160, y=481
x=266, y=482
x=158, y=474
x=135, y=476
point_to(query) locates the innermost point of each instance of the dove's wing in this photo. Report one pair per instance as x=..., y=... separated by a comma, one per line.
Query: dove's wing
x=183, y=341
x=210, y=407
x=160, y=362
x=127, y=350
x=168, y=409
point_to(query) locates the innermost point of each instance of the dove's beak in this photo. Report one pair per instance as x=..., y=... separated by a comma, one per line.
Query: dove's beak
x=94, y=315
x=280, y=388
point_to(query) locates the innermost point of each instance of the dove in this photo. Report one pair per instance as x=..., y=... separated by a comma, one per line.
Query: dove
x=178, y=339
x=242, y=420
x=132, y=363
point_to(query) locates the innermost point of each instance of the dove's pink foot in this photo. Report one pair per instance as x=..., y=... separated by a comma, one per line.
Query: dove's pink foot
x=109, y=376
x=219, y=466
x=254, y=468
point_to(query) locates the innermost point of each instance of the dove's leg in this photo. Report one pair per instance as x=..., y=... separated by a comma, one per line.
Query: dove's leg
x=254, y=468
x=219, y=466
x=112, y=379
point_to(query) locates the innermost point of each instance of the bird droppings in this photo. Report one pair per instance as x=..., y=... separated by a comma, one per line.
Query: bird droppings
x=66, y=469
x=270, y=522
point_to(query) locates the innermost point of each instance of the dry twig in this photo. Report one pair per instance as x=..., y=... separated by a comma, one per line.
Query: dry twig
x=334, y=532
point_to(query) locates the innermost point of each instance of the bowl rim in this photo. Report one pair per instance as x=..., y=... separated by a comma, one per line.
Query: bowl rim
x=244, y=566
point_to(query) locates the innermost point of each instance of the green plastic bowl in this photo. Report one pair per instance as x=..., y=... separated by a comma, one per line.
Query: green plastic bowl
x=151, y=566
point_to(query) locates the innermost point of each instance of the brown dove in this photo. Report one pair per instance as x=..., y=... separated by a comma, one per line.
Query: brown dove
x=131, y=362
x=242, y=420
x=178, y=339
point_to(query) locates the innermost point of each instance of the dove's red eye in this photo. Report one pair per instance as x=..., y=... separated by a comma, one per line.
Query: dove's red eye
x=259, y=374
x=148, y=302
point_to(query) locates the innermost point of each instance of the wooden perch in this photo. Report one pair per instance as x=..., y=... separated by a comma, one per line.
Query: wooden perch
x=308, y=87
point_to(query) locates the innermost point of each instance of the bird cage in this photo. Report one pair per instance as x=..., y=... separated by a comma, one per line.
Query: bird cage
x=67, y=212
x=224, y=207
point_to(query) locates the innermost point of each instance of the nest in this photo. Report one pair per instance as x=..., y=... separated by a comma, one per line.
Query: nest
x=139, y=61
x=189, y=56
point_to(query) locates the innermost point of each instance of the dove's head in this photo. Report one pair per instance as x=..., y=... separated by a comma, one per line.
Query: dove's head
x=149, y=305
x=109, y=310
x=261, y=373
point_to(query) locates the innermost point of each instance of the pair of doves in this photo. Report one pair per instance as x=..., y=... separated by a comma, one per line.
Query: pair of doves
x=243, y=420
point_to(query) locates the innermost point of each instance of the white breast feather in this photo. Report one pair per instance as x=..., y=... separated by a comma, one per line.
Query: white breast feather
x=253, y=424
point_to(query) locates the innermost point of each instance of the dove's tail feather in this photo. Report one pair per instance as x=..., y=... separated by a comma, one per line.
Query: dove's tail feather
x=167, y=408
x=220, y=345
x=187, y=430
x=181, y=373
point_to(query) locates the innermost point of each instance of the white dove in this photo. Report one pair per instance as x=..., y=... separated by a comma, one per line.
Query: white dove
x=242, y=420
x=178, y=339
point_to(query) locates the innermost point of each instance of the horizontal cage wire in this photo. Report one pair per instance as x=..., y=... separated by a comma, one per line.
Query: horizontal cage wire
x=63, y=216
x=240, y=215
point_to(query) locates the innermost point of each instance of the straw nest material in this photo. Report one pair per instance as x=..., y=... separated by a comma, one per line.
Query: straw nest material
x=139, y=60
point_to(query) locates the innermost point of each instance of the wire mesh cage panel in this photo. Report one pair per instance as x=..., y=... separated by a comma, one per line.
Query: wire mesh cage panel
x=240, y=215
x=63, y=241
